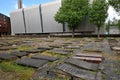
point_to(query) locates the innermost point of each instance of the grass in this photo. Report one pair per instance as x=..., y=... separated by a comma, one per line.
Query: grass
x=24, y=47
x=22, y=73
x=117, y=71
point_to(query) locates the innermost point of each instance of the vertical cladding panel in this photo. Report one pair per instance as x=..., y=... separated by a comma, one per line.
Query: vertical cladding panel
x=17, y=22
x=48, y=12
x=32, y=19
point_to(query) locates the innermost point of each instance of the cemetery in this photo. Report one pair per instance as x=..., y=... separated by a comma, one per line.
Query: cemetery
x=75, y=58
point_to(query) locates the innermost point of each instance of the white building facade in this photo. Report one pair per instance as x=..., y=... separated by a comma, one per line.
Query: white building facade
x=40, y=19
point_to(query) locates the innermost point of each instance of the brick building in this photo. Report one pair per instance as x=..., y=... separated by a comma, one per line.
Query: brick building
x=5, y=26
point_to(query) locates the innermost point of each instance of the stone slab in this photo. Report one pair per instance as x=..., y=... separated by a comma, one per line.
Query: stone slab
x=5, y=56
x=19, y=54
x=116, y=48
x=7, y=48
x=82, y=64
x=89, y=59
x=35, y=63
x=45, y=48
x=89, y=55
x=59, y=51
x=33, y=50
x=72, y=47
x=76, y=72
x=44, y=57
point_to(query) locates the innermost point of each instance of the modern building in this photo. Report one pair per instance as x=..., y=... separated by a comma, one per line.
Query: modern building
x=5, y=26
x=40, y=19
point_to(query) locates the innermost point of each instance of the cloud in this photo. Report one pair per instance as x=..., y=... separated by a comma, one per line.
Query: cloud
x=112, y=14
x=16, y=6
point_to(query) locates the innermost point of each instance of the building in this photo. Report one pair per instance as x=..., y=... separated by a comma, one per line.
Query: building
x=40, y=19
x=5, y=26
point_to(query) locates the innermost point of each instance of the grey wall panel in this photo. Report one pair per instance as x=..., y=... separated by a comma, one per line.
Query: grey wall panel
x=32, y=19
x=48, y=12
x=17, y=22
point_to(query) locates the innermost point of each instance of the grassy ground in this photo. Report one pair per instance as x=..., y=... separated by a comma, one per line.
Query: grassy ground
x=20, y=72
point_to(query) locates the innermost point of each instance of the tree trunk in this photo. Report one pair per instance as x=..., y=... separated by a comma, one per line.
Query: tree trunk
x=108, y=30
x=73, y=30
x=98, y=32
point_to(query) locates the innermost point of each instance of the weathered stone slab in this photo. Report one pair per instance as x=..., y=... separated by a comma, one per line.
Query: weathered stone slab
x=72, y=47
x=60, y=51
x=55, y=46
x=89, y=55
x=44, y=57
x=45, y=48
x=33, y=50
x=89, y=59
x=19, y=54
x=67, y=43
x=5, y=56
x=76, y=72
x=7, y=48
x=99, y=76
x=116, y=48
x=82, y=64
x=35, y=63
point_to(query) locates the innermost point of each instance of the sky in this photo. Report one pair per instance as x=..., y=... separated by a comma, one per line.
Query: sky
x=7, y=6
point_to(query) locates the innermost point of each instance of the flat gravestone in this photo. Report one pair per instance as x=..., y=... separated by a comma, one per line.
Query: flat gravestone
x=33, y=50
x=5, y=56
x=44, y=57
x=7, y=48
x=72, y=47
x=19, y=54
x=116, y=48
x=89, y=55
x=89, y=59
x=35, y=63
x=77, y=72
x=82, y=64
x=45, y=48
x=67, y=43
x=59, y=51
x=55, y=46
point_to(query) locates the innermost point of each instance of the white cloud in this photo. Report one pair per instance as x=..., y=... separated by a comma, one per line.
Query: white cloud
x=16, y=6
x=112, y=14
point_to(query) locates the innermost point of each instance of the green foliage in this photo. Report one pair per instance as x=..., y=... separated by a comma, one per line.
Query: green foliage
x=118, y=25
x=24, y=73
x=115, y=4
x=98, y=13
x=72, y=12
x=108, y=27
x=24, y=47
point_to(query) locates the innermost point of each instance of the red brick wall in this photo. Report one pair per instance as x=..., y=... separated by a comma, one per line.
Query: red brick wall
x=5, y=27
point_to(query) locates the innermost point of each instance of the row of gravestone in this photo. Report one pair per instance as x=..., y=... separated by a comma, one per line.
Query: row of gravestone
x=80, y=68
x=114, y=45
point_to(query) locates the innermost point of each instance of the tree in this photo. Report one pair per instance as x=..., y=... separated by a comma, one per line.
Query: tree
x=115, y=4
x=108, y=27
x=72, y=12
x=98, y=13
x=118, y=25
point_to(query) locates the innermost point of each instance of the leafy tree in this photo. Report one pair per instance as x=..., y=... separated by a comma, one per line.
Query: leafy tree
x=115, y=4
x=118, y=25
x=72, y=12
x=108, y=27
x=98, y=13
